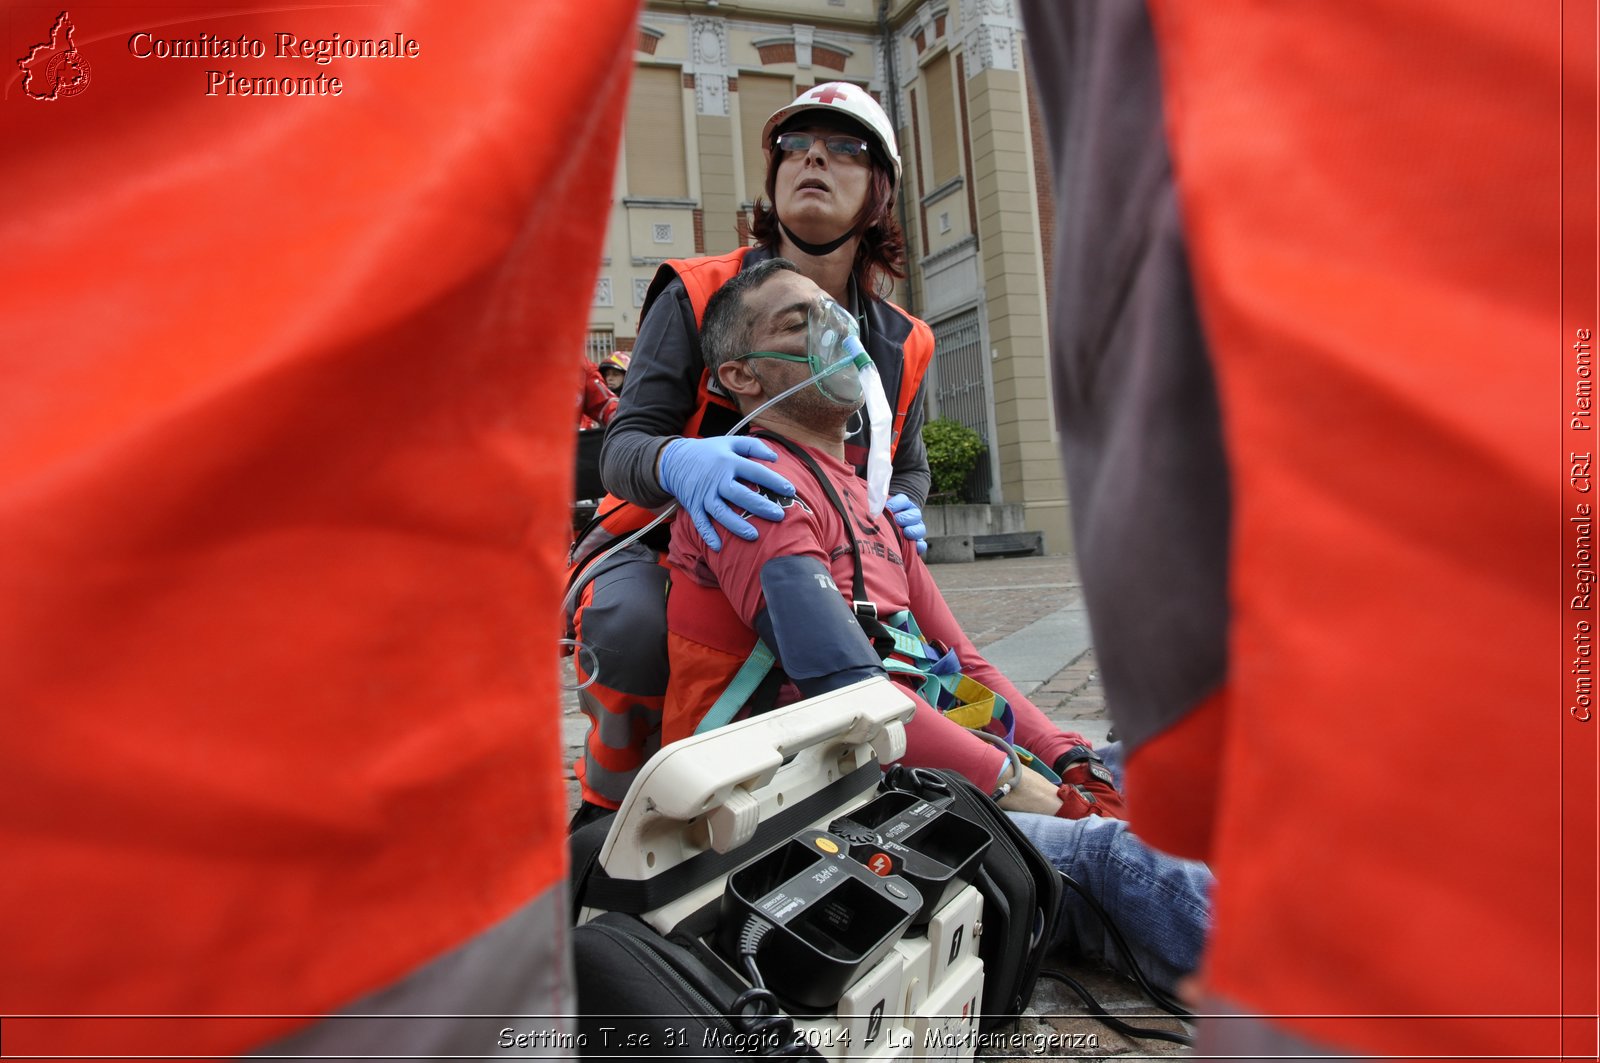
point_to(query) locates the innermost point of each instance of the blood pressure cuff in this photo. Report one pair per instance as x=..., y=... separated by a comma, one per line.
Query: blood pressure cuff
x=814, y=633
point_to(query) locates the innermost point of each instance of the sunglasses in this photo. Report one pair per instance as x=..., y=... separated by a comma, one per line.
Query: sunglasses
x=839, y=145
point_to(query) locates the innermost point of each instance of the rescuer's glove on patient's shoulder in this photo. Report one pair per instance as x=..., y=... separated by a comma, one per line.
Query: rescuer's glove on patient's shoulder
x=704, y=474
x=909, y=517
x=1086, y=787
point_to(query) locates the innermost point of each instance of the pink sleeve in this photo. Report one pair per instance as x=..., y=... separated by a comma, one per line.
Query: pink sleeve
x=935, y=742
x=1035, y=732
x=737, y=566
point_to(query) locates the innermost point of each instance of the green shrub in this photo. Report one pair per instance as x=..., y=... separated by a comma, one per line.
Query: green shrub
x=953, y=452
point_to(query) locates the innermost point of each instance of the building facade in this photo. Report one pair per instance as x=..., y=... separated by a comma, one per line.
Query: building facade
x=974, y=195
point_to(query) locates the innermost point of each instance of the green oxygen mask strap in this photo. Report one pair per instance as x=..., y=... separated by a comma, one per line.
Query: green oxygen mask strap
x=860, y=361
x=780, y=355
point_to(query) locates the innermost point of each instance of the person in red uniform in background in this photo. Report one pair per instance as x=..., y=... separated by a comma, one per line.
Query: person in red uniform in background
x=597, y=403
x=614, y=368
x=1307, y=330
x=282, y=515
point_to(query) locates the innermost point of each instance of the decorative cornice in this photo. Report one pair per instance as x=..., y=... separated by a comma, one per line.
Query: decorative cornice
x=775, y=50
x=945, y=254
x=659, y=201
x=943, y=190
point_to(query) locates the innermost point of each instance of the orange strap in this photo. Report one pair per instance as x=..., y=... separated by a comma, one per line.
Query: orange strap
x=707, y=644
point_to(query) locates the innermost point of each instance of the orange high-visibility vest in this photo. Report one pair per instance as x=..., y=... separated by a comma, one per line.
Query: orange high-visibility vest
x=1362, y=236
x=285, y=461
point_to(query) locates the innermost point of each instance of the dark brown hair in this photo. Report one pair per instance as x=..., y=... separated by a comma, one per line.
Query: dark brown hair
x=881, y=255
x=724, y=336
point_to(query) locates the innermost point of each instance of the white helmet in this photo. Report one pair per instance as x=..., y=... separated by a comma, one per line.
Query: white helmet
x=839, y=96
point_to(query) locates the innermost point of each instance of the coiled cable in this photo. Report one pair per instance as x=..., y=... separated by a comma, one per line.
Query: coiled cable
x=756, y=1011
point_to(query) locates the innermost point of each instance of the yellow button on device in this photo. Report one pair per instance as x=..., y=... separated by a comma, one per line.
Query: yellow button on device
x=827, y=845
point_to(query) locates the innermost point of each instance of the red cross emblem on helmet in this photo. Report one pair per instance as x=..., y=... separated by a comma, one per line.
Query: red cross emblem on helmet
x=844, y=98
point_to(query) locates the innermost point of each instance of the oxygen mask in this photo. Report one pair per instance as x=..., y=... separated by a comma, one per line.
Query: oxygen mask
x=829, y=353
x=828, y=326
x=833, y=348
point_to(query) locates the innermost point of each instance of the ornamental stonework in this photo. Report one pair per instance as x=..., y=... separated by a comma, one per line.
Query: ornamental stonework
x=989, y=35
x=708, y=62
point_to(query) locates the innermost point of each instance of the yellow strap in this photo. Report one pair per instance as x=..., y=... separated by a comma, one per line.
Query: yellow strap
x=974, y=716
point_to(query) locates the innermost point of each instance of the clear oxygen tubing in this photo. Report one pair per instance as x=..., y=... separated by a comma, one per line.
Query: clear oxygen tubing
x=594, y=661
x=870, y=386
x=1008, y=779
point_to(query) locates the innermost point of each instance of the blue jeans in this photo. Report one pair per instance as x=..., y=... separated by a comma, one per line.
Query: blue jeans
x=1159, y=902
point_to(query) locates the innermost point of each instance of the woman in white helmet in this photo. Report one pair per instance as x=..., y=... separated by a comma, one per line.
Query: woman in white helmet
x=833, y=166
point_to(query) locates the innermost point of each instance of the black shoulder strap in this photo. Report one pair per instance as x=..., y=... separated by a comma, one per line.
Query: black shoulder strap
x=858, y=589
x=866, y=611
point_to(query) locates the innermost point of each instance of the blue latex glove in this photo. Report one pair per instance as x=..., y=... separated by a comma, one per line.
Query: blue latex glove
x=909, y=517
x=704, y=474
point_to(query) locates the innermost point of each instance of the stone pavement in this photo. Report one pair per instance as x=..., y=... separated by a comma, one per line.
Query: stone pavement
x=1026, y=615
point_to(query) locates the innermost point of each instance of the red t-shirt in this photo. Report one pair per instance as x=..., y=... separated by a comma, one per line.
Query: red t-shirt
x=895, y=578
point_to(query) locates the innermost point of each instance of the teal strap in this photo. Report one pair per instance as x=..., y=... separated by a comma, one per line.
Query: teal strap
x=1031, y=761
x=904, y=620
x=940, y=691
x=745, y=681
x=911, y=645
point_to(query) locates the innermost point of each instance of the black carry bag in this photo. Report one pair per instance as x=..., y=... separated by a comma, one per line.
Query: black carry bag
x=1021, y=892
x=639, y=994
x=644, y=997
